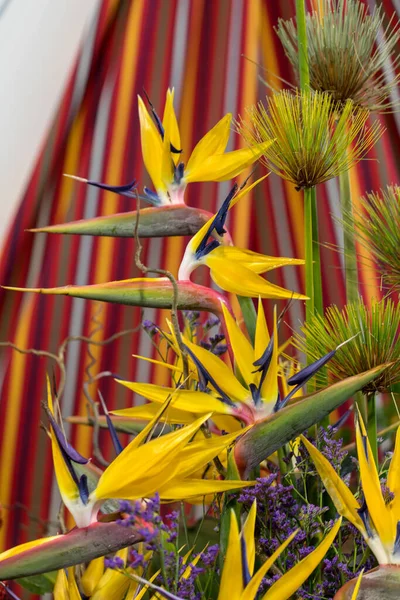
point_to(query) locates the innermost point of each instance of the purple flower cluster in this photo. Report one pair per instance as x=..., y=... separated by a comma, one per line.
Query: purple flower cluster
x=282, y=508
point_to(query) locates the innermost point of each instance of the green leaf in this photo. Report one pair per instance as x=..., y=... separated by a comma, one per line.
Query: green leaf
x=39, y=584
x=78, y=546
x=162, y=221
x=266, y=436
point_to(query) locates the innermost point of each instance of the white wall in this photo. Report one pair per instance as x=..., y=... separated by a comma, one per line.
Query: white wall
x=39, y=40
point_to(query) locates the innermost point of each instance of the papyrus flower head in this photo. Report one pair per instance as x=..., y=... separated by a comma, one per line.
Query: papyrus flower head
x=348, y=55
x=373, y=340
x=315, y=138
x=376, y=227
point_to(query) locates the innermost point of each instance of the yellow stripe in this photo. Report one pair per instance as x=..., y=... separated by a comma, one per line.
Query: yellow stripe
x=105, y=246
x=19, y=363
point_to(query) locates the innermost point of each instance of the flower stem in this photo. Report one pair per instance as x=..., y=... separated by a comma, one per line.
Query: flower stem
x=372, y=428
x=349, y=243
x=302, y=45
x=318, y=300
x=308, y=244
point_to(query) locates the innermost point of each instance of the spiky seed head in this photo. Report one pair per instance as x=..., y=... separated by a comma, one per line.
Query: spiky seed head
x=315, y=138
x=344, y=57
x=377, y=342
x=377, y=229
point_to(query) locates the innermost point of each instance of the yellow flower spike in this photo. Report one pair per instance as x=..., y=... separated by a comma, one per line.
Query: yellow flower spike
x=248, y=536
x=231, y=584
x=214, y=142
x=147, y=412
x=221, y=167
x=92, y=575
x=113, y=585
x=198, y=453
x=188, y=400
x=377, y=509
x=152, y=149
x=193, y=490
x=220, y=371
x=269, y=388
x=241, y=347
x=262, y=334
x=167, y=164
x=258, y=263
x=160, y=363
x=65, y=587
x=208, y=162
x=342, y=497
x=357, y=586
x=74, y=498
x=170, y=124
x=155, y=464
x=238, y=279
x=293, y=579
x=251, y=588
x=393, y=480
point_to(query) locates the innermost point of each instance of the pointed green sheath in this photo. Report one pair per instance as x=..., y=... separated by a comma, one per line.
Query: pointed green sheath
x=382, y=582
x=266, y=436
x=145, y=292
x=160, y=221
x=78, y=546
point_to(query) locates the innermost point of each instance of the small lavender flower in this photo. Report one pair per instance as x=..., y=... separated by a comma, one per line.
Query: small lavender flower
x=114, y=563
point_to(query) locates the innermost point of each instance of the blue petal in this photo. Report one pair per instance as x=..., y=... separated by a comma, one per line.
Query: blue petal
x=151, y=197
x=179, y=172
x=83, y=489
x=122, y=190
x=364, y=514
x=396, y=547
x=309, y=371
x=157, y=119
x=245, y=567
x=66, y=447
x=217, y=223
x=113, y=433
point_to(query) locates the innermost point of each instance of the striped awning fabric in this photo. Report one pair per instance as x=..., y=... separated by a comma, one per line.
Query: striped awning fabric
x=212, y=52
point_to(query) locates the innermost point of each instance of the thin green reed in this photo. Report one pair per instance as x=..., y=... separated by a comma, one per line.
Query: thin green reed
x=312, y=253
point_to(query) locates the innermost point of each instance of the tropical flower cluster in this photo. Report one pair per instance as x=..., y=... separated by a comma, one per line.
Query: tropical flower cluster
x=243, y=476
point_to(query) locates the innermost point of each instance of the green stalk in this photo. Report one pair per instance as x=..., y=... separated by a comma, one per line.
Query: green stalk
x=302, y=45
x=249, y=315
x=308, y=244
x=318, y=301
x=350, y=257
x=372, y=427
